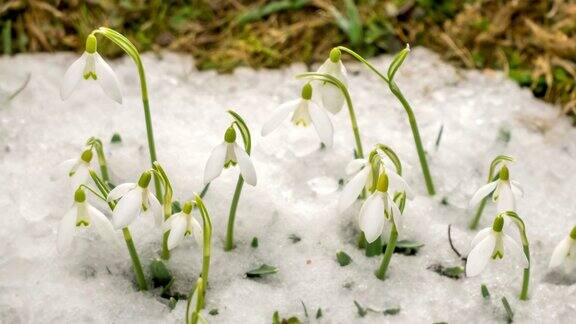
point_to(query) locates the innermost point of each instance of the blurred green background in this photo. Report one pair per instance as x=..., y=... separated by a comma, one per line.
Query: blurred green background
x=533, y=41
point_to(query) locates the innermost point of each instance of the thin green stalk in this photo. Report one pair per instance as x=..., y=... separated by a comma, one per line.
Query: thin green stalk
x=206, y=244
x=98, y=147
x=137, y=266
x=140, y=279
x=476, y=219
x=525, y=275
x=411, y=118
x=526, y=248
x=166, y=201
x=416, y=133
x=229, y=245
x=381, y=273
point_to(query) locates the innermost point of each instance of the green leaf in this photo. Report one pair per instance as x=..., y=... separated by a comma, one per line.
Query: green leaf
x=343, y=258
x=7, y=37
x=172, y=302
x=276, y=318
x=161, y=276
x=213, y=312
x=392, y=311
x=509, y=312
x=397, y=62
x=295, y=238
x=116, y=138
x=270, y=8
x=406, y=247
x=176, y=207
x=361, y=310
x=450, y=272
x=263, y=270
x=485, y=292
x=319, y=313
x=254, y=243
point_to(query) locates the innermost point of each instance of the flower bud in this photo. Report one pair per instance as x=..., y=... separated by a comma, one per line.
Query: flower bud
x=504, y=173
x=187, y=208
x=230, y=135
x=86, y=156
x=382, y=182
x=498, y=224
x=144, y=179
x=91, y=44
x=307, y=91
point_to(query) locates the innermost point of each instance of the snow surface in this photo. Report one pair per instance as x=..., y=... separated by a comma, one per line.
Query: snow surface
x=296, y=194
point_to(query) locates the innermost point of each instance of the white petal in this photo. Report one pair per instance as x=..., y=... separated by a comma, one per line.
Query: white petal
x=72, y=77
x=332, y=97
x=66, y=230
x=246, y=167
x=107, y=80
x=398, y=184
x=62, y=169
x=396, y=214
x=215, y=163
x=372, y=217
x=480, y=255
x=120, y=190
x=127, y=209
x=167, y=224
x=177, y=231
x=560, y=253
x=322, y=123
x=517, y=189
x=279, y=115
x=505, y=200
x=197, y=231
x=484, y=191
x=156, y=209
x=516, y=251
x=353, y=189
x=355, y=166
x=480, y=236
x=80, y=177
x=103, y=226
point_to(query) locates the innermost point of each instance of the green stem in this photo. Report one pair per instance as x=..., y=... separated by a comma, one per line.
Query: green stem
x=416, y=133
x=229, y=245
x=476, y=219
x=206, y=243
x=355, y=129
x=526, y=274
x=140, y=279
x=381, y=273
x=102, y=160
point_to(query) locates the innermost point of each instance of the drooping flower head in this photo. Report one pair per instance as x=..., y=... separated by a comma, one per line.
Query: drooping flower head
x=82, y=214
x=183, y=224
x=504, y=191
x=304, y=112
x=135, y=199
x=328, y=94
x=565, y=253
x=229, y=154
x=490, y=244
x=379, y=210
x=77, y=170
x=91, y=67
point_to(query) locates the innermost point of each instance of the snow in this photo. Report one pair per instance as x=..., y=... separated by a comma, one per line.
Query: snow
x=297, y=193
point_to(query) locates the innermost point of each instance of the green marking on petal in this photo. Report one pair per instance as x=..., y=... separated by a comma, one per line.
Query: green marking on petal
x=82, y=223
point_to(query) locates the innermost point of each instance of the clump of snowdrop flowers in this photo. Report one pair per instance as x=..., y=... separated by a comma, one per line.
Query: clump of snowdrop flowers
x=183, y=224
x=229, y=154
x=91, y=66
x=77, y=169
x=493, y=244
x=565, y=253
x=83, y=214
x=304, y=112
x=328, y=94
x=505, y=192
x=135, y=199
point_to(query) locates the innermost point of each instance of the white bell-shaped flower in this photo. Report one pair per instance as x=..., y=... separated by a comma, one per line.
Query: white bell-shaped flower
x=91, y=66
x=304, y=112
x=77, y=170
x=82, y=214
x=135, y=199
x=379, y=211
x=362, y=177
x=565, y=253
x=228, y=154
x=328, y=94
x=489, y=245
x=182, y=224
x=505, y=192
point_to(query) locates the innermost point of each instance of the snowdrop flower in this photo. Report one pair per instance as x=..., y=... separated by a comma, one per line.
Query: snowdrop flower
x=304, y=112
x=378, y=209
x=331, y=96
x=229, y=154
x=489, y=245
x=565, y=252
x=135, y=199
x=181, y=225
x=505, y=192
x=361, y=172
x=83, y=214
x=77, y=170
x=91, y=66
